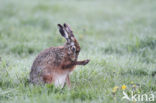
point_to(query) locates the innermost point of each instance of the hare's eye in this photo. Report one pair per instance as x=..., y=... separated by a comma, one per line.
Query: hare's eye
x=73, y=48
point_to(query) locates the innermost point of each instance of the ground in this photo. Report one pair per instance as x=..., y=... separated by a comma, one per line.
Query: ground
x=118, y=36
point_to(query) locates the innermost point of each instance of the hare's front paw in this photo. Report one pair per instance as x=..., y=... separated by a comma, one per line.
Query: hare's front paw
x=86, y=62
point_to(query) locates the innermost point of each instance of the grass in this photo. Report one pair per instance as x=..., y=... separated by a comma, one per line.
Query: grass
x=119, y=37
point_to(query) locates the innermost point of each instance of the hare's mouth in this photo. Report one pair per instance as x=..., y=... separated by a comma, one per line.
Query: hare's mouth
x=73, y=58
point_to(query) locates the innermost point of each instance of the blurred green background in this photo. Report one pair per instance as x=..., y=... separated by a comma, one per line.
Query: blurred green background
x=119, y=36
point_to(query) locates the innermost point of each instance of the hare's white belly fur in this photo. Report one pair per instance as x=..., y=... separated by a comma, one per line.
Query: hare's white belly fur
x=60, y=80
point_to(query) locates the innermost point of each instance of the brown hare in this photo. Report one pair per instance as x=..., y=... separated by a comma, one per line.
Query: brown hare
x=54, y=64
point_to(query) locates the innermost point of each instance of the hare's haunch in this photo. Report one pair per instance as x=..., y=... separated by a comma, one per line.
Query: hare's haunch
x=54, y=64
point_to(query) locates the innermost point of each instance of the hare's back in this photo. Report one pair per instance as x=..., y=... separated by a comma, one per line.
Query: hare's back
x=51, y=56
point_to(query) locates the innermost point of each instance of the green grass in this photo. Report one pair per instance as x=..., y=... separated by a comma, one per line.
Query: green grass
x=118, y=36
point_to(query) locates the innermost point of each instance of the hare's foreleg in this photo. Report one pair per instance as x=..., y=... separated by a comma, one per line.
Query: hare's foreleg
x=84, y=62
x=68, y=81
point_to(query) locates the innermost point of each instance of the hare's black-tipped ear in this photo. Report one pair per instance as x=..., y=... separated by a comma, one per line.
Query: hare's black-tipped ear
x=68, y=29
x=62, y=31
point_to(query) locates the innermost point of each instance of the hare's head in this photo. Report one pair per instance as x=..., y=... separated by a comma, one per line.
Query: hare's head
x=72, y=45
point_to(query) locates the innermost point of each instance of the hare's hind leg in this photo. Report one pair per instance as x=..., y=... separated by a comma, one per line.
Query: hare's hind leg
x=46, y=74
x=47, y=79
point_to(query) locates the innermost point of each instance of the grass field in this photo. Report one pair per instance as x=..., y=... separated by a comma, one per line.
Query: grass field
x=118, y=36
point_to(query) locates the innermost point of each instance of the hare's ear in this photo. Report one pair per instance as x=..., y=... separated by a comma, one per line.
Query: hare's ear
x=63, y=32
x=68, y=30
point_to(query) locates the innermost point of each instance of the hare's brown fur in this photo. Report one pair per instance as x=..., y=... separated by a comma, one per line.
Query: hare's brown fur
x=54, y=64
